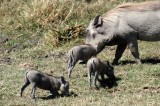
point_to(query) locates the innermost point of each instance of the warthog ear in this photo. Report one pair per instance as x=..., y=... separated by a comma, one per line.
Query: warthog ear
x=108, y=63
x=67, y=84
x=62, y=79
x=98, y=21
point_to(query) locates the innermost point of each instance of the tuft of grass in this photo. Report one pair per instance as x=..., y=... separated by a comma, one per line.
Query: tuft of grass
x=55, y=20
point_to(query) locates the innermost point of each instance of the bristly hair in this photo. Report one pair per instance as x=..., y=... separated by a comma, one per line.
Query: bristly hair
x=49, y=74
x=139, y=7
x=144, y=6
x=52, y=75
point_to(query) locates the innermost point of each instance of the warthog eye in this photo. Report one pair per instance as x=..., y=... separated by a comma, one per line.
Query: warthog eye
x=93, y=35
x=102, y=33
x=86, y=32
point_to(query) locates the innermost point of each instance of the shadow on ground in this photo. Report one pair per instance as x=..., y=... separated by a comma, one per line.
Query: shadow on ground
x=58, y=96
x=109, y=83
x=153, y=60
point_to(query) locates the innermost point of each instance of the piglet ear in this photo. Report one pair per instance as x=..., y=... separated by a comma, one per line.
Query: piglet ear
x=67, y=84
x=62, y=79
x=108, y=63
x=97, y=22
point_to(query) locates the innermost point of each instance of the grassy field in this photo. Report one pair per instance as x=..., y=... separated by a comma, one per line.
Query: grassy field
x=137, y=85
x=26, y=42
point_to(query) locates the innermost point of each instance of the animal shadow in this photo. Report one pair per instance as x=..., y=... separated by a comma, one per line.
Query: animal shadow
x=58, y=96
x=109, y=83
x=72, y=94
x=49, y=97
x=125, y=62
x=153, y=60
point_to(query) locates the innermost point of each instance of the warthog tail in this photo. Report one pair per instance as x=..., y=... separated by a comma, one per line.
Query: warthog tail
x=93, y=66
x=71, y=59
x=25, y=85
x=26, y=78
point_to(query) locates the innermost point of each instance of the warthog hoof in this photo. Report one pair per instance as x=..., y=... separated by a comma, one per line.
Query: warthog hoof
x=138, y=61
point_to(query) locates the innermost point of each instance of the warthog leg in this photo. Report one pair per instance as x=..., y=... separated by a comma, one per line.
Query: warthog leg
x=24, y=86
x=133, y=44
x=33, y=91
x=70, y=71
x=102, y=76
x=95, y=79
x=89, y=78
x=71, y=65
x=119, y=51
x=54, y=93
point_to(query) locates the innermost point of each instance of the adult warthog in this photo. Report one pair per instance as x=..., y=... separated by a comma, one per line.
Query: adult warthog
x=124, y=25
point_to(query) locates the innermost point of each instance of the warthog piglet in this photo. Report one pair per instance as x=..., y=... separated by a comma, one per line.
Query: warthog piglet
x=45, y=82
x=81, y=52
x=97, y=67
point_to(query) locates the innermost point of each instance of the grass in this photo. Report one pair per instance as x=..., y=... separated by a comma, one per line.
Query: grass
x=30, y=39
x=137, y=84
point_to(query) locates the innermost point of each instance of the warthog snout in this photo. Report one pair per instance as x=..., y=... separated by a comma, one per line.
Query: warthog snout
x=65, y=89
